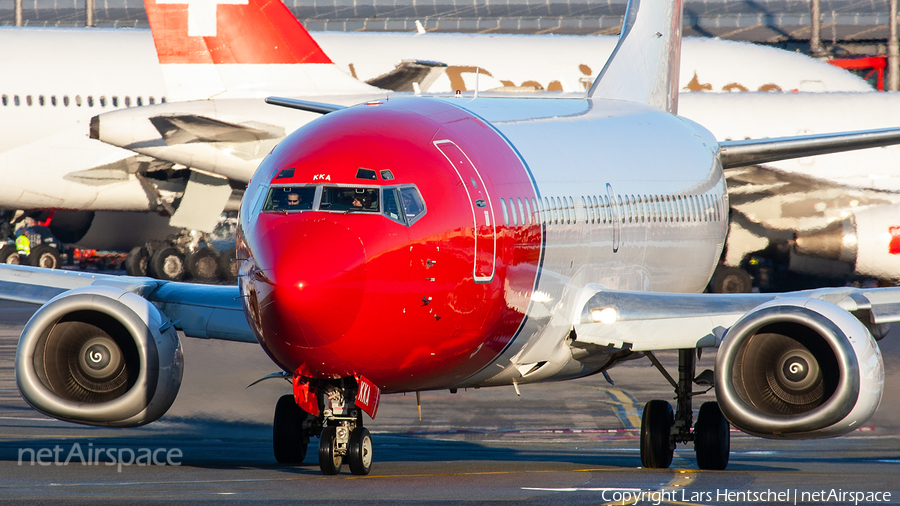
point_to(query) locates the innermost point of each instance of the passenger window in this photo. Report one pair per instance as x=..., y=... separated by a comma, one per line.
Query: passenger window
x=392, y=207
x=521, y=211
x=287, y=198
x=5, y=100
x=547, y=210
x=41, y=100
x=16, y=100
x=536, y=209
x=528, y=218
x=78, y=100
x=162, y=100
x=139, y=101
x=115, y=101
x=90, y=100
x=505, y=212
x=350, y=199
x=66, y=100
x=151, y=100
x=412, y=203
x=53, y=100
x=28, y=100
x=102, y=101
x=127, y=101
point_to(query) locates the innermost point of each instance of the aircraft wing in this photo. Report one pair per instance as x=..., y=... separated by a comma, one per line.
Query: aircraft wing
x=201, y=311
x=642, y=321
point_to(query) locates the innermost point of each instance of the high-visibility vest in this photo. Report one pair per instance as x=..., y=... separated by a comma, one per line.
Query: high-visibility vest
x=23, y=245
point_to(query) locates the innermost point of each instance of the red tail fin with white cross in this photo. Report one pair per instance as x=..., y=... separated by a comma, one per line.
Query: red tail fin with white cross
x=240, y=48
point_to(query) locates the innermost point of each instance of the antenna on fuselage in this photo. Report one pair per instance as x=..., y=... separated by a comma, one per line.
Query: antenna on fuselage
x=645, y=64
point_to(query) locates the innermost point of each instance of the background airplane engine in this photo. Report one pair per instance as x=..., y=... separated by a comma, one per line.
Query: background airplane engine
x=868, y=238
x=798, y=368
x=99, y=356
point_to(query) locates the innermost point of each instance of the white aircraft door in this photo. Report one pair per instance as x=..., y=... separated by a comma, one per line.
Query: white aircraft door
x=616, y=220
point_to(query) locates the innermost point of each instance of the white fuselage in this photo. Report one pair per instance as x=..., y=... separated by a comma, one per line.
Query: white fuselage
x=663, y=230
x=658, y=225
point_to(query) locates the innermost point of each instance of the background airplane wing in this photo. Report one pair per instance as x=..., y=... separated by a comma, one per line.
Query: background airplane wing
x=201, y=311
x=642, y=321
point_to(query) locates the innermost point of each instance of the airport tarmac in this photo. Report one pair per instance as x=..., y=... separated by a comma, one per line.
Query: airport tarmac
x=562, y=443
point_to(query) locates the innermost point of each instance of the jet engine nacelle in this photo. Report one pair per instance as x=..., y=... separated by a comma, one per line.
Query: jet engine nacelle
x=798, y=368
x=99, y=356
x=869, y=238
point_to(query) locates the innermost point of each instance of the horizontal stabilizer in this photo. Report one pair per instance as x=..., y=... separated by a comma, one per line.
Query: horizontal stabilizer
x=409, y=72
x=185, y=128
x=304, y=105
x=756, y=151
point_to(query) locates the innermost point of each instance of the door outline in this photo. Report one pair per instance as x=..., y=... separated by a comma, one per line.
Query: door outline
x=488, y=212
x=617, y=224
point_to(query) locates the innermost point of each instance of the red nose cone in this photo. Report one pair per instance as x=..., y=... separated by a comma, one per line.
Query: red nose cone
x=317, y=286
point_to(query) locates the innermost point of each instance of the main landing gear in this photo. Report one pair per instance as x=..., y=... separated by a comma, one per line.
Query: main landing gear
x=342, y=437
x=662, y=429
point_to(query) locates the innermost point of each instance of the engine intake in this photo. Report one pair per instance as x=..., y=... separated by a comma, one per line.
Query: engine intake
x=99, y=356
x=798, y=368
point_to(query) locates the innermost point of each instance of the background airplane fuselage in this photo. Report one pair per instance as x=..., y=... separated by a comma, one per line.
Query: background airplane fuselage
x=92, y=71
x=470, y=292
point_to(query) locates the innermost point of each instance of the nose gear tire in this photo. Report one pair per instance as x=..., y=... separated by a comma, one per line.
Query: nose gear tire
x=359, y=451
x=330, y=461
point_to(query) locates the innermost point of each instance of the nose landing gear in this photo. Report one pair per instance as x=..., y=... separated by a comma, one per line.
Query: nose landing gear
x=342, y=436
x=661, y=429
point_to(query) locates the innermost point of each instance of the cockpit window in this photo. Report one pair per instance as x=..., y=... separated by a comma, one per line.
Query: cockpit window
x=290, y=198
x=403, y=204
x=285, y=173
x=412, y=203
x=350, y=199
x=392, y=207
x=362, y=173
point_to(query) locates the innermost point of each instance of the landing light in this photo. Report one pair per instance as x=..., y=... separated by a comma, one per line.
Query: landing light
x=539, y=296
x=299, y=285
x=606, y=315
